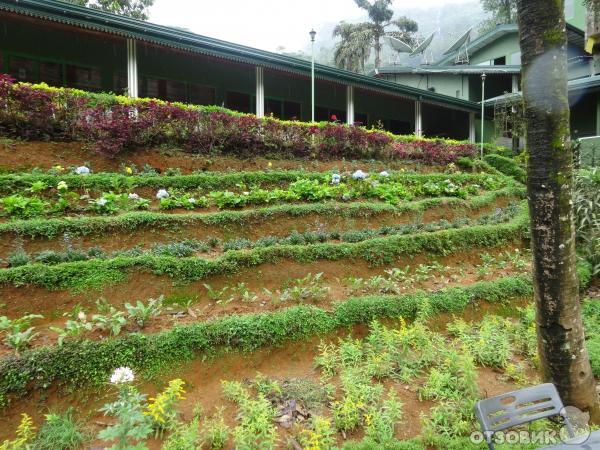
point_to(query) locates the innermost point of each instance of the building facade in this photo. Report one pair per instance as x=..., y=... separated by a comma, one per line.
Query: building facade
x=66, y=45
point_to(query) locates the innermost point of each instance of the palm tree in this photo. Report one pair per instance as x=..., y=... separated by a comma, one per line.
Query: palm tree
x=380, y=15
x=354, y=47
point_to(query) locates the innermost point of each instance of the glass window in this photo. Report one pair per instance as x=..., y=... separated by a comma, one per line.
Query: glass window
x=361, y=119
x=273, y=107
x=120, y=83
x=202, y=95
x=292, y=111
x=238, y=101
x=23, y=69
x=85, y=78
x=51, y=73
x=176, y=91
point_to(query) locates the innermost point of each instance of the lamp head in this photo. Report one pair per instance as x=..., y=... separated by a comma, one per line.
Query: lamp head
x=312, y=33
x=483, y=76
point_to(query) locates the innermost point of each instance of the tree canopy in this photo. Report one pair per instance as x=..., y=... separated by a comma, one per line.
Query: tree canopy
x=502, y=11
x=137, y=9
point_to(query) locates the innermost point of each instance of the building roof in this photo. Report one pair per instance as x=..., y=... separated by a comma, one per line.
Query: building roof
x=591, y=83
x=575, y=37
x=126, y=27
x=451, y=70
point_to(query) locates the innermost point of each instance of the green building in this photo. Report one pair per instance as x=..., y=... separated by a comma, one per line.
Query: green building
x=66, y=45
x=496, y=54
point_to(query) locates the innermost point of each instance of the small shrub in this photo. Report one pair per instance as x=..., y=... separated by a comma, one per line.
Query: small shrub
x=60, y=431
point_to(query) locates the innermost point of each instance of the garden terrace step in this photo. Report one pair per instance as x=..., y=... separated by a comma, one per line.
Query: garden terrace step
x=248, y=223
x=211, y=241
x=85, y=362
x=21, y=182
x=273, y=287
x=94, y=273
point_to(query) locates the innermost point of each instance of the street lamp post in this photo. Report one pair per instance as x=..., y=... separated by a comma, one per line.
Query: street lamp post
x=483, y=77
x=313, y=34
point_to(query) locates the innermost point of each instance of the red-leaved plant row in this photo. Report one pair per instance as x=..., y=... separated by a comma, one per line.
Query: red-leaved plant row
x=113, y=124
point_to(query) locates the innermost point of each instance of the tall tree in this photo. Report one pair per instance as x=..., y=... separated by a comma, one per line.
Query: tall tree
x=381, y=15
x=501, y=11
x=354, y=47
x=137, y=9
x=561, y=342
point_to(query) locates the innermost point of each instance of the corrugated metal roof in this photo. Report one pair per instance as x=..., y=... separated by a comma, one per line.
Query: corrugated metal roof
x=144, y=31
x=575, y=37
x=452, y=70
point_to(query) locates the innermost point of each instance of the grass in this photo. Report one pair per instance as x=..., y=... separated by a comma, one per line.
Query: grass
x=60, y=431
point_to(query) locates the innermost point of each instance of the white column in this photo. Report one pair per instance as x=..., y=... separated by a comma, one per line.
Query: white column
x=515, y=83
x=418, y=119
x=350, y=105
x=132, y=72
x=260, y=92
x=472, y=127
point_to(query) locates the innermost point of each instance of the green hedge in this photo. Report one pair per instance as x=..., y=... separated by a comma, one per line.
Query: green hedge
x=211, y=180
x=79, y=363
x=83, y=275
x=50, y=228
x=507, y=166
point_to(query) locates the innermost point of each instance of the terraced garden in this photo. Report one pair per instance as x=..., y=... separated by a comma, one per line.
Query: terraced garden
x=289, y=302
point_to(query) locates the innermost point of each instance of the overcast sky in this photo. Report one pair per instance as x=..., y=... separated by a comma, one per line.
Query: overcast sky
x=265, y=24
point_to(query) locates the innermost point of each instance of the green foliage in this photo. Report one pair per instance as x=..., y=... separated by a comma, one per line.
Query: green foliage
x=141, y=312
x=185, y=436
x=18, y=333
x=507, y=166
x=215, y=432
x=587, y=209
x=255, y=430
x=60, y=431
x=23, y=207
x=385, y=250
x=132, y=425
x=25, y=435
x=161, y=409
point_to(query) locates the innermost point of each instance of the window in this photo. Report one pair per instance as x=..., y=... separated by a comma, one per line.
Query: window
x=202, y=95
x=175, y=91
x=120, y=83
x=51, y=73
x=23, y=69
x=399, y=127
x=361, y=119
x=500, y=61
x=273, y=107
x=85, y=78
x=238, y=101
x=292, y=111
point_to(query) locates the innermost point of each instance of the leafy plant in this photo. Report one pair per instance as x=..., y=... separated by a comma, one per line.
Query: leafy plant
x=215, y=432
x=18, y=333
x=109, y=319
x=23, y=207
x=161, y=409
x=140, y=313
x=25, y=435
x=60, y=431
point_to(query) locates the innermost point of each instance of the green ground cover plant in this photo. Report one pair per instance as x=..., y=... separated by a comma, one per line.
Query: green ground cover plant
x=83, y=275
x=77, y=363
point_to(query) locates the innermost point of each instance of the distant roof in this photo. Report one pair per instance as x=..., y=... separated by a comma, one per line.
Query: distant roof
x=585, y=83
x=453, y=70
x=93, y=19
x=575, y=37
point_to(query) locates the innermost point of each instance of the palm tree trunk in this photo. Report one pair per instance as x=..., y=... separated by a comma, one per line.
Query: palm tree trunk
x=561, y=342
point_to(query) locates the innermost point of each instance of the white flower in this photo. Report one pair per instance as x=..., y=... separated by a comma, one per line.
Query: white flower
x=101, y=201
x=82, y=170
x=122, y=375
x=162, y=193
x=359, y=175
x=335, y=178
x=384, y=174
x=81, y=316
x=192, y=200
x=246, y=193
x=133, y=196
x=62, y=186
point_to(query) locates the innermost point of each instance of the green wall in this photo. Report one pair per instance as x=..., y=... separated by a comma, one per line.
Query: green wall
x=505, y=46
x=452, y=85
